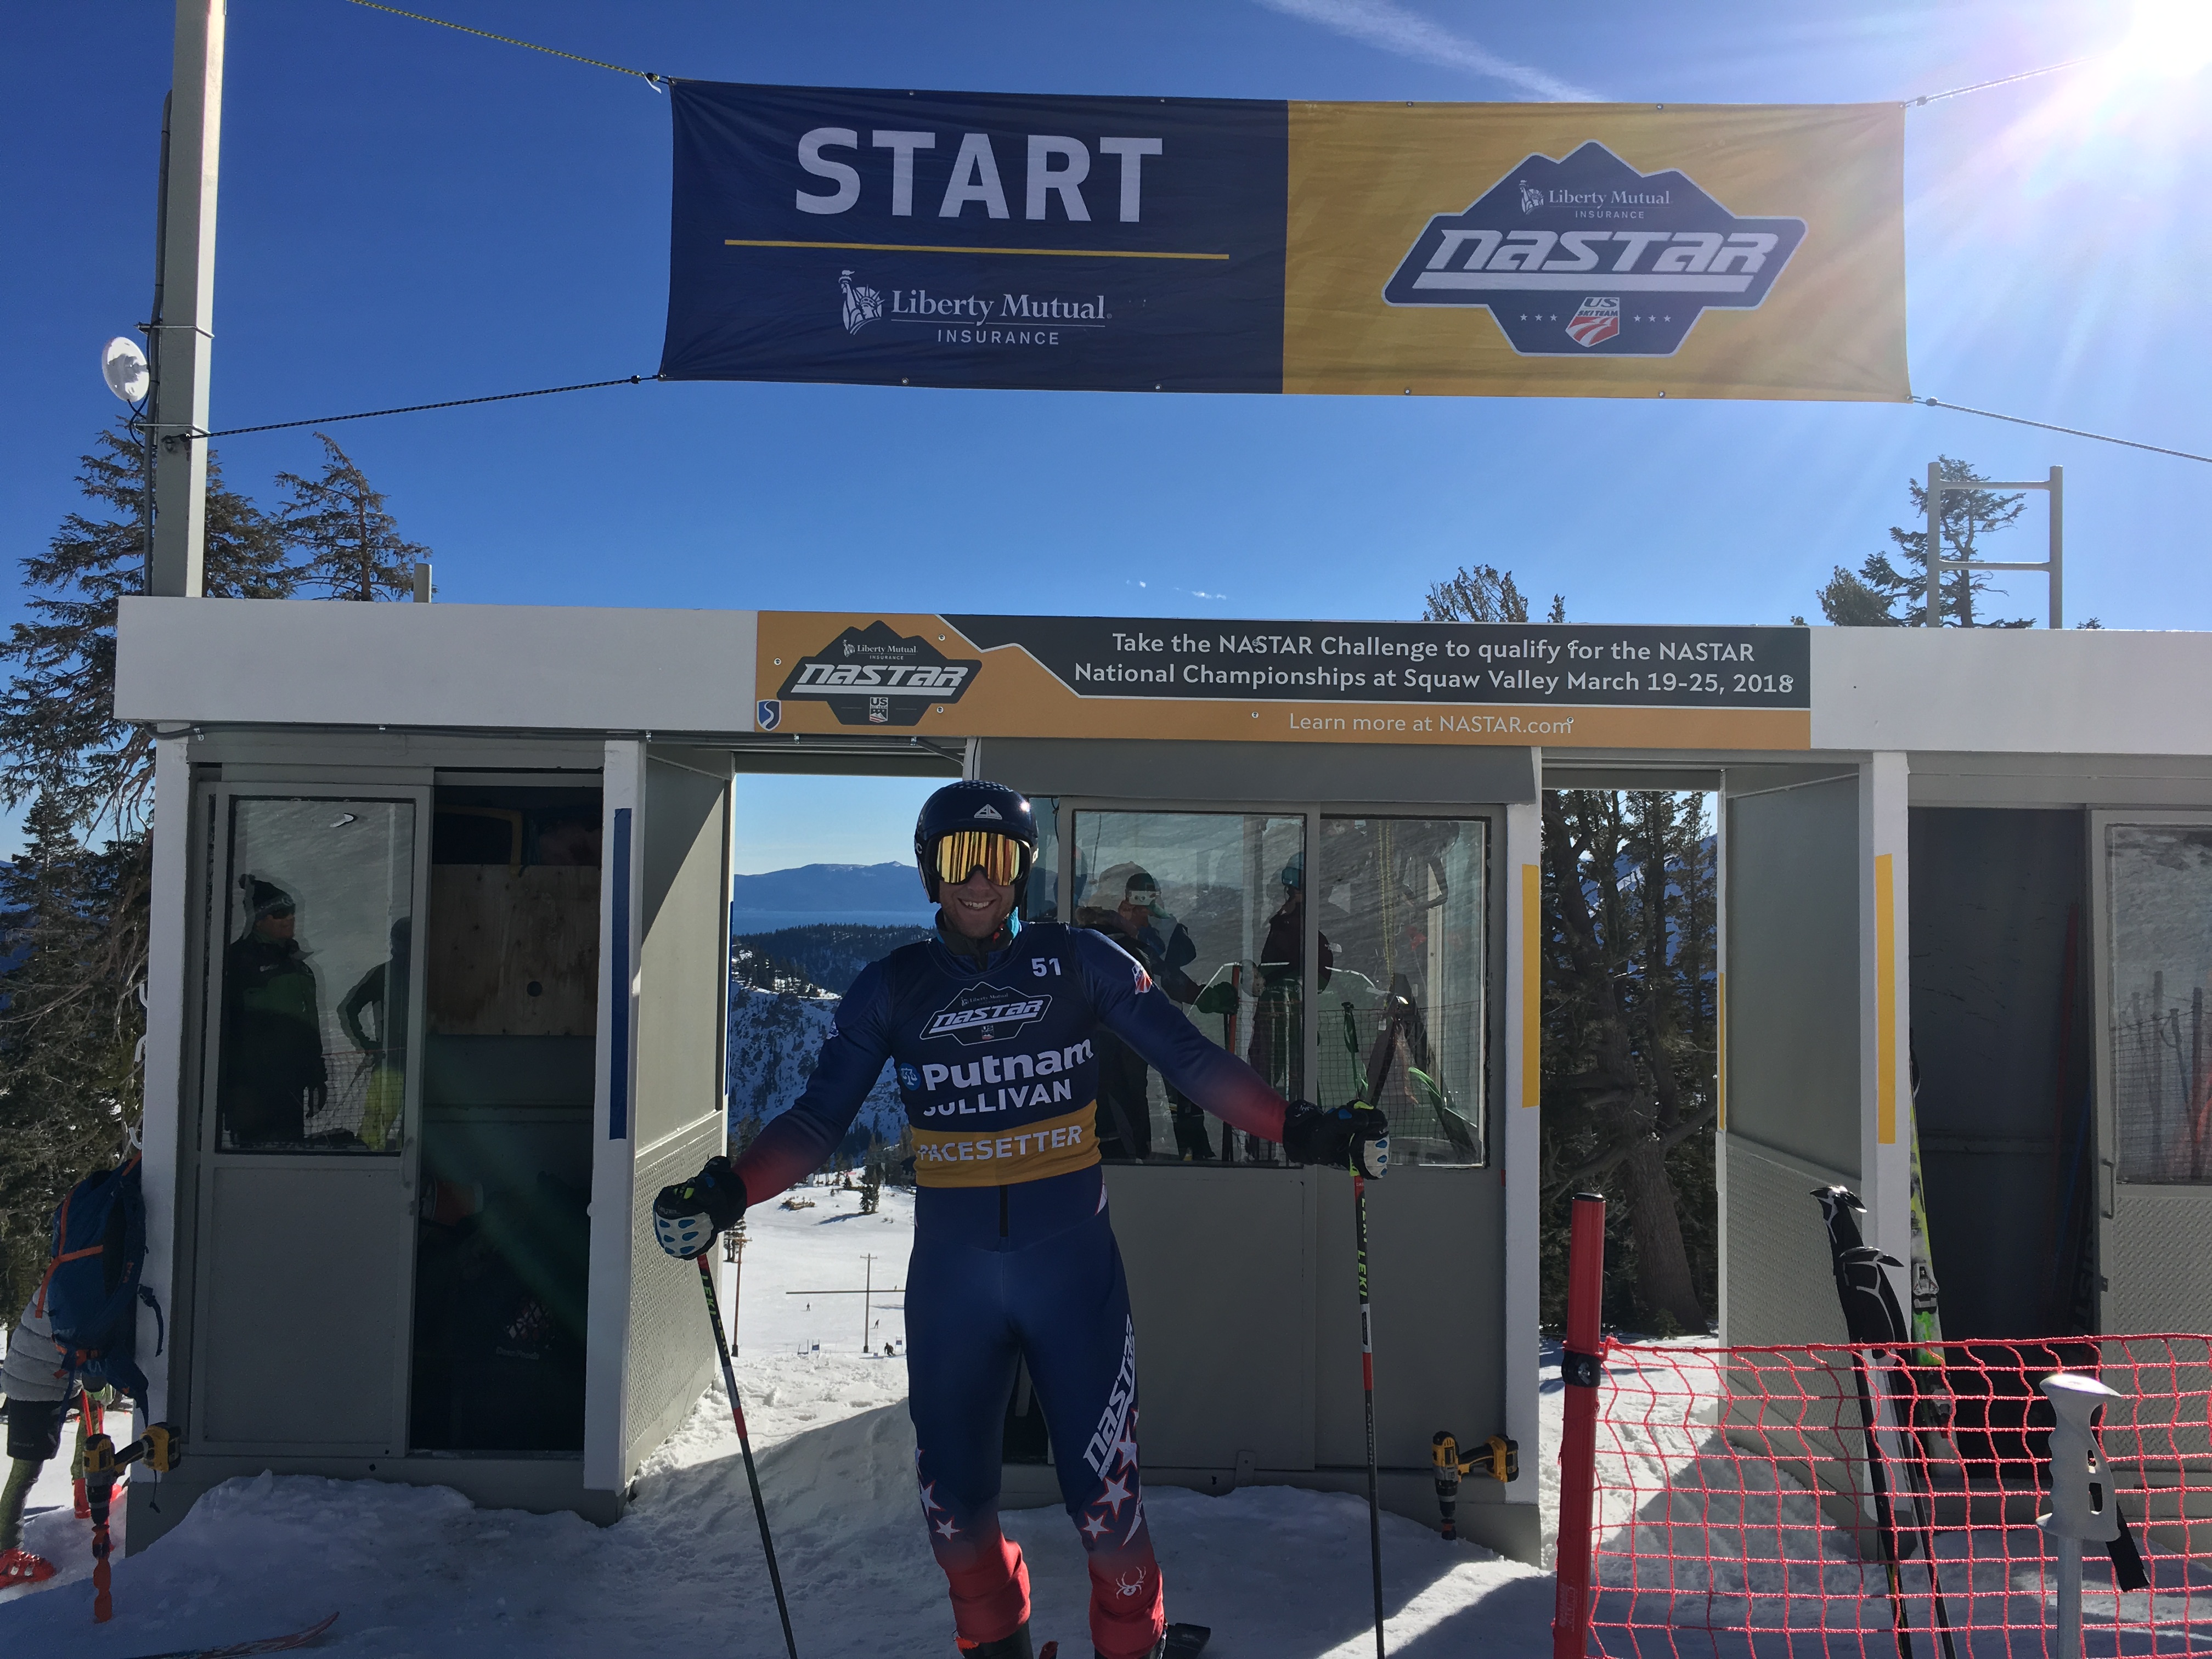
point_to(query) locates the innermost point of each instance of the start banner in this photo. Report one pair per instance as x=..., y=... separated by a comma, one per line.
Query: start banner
x=1217, y=244
x=1555, y=685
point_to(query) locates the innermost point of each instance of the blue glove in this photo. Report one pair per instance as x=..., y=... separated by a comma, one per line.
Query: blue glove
x=687, y=1215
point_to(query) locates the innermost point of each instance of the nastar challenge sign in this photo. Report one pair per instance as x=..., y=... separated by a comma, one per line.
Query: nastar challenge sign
x=926, y=238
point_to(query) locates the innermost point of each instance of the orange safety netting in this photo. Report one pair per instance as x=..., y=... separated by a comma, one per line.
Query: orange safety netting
x=1735, y=1509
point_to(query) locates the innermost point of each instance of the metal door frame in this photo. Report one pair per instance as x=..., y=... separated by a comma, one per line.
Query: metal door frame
x=2107, y=1106
x=213, y=804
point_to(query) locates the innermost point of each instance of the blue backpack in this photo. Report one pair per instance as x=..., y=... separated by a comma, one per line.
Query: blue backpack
x=92, y=1289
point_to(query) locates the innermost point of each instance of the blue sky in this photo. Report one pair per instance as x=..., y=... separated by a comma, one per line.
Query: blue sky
x=410, y=213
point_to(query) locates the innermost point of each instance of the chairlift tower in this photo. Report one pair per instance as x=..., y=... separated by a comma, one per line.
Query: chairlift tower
x=1938, y=564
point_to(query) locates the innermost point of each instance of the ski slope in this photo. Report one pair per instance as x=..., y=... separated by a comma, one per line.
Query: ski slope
x=419, y=1572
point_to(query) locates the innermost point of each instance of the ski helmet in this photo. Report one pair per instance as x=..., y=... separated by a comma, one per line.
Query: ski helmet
x=974, y=803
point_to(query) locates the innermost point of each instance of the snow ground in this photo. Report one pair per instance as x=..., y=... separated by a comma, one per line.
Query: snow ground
x=421, y=1573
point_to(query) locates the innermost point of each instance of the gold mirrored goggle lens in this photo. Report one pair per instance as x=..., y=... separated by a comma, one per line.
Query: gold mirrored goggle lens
x=998, y=857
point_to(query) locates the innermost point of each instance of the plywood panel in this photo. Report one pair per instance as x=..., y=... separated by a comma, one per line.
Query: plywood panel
x=514, y=952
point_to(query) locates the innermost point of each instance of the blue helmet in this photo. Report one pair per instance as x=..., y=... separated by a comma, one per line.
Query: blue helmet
x=974, y=803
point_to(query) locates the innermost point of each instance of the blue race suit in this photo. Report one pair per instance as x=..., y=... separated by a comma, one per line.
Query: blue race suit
x=1013, y=1256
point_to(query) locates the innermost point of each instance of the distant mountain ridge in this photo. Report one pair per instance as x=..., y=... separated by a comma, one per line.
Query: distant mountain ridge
x=826, y=887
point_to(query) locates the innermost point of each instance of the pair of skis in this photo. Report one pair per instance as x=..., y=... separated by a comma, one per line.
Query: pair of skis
x=1873, y=1318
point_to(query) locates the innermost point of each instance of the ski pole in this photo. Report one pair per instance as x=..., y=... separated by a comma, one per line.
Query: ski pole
x=1378, y=1068
x=745, y=1445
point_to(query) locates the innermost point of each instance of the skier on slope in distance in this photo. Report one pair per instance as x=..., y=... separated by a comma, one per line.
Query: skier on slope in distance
x=993, y=1026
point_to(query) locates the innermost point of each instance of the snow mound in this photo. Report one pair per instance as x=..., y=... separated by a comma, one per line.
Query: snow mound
x=419, y=1571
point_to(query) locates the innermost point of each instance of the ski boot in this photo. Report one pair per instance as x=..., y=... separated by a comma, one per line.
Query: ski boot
x=1016, y=1646
x=20, y=1566
x=1183, y=1642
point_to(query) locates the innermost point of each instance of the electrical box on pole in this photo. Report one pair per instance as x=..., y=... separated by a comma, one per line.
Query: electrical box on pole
x=1938, y=486
x=183, y=333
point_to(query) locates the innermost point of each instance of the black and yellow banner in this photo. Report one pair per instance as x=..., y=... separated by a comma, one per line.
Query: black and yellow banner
x=1554, y=685
x=1215, y=244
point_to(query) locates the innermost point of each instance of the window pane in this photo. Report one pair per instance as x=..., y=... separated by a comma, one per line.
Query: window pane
x=1041, y=901
x=1400, y=906
x=2161, y=890
x=313, y=1050
x=1212, y=903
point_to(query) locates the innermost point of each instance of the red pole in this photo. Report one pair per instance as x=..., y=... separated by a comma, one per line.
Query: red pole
x=1571, y=1609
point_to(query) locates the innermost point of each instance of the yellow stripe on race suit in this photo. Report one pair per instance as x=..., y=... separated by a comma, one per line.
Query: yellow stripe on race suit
x=1056, y=1145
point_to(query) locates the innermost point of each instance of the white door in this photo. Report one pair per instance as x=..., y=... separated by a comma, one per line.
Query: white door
x=308, y=1137
x=2152, y=875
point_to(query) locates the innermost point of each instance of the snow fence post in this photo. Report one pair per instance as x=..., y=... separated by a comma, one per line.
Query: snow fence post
x=2083, y=1508
x=1579, y=1365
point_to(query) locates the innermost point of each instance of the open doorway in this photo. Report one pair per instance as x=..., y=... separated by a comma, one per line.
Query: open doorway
x=502, y=1246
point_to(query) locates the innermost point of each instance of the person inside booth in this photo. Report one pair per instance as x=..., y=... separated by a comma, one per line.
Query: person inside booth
x=273, y=1076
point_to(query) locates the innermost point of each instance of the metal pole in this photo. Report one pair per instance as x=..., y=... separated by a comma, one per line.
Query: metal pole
x=867, y=1296
x=184, y=331
x=2057, y=547
x=1934, y=544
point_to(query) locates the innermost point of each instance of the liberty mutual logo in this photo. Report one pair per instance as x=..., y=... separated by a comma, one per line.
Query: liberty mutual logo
x=862, y=305
x=1531, y=198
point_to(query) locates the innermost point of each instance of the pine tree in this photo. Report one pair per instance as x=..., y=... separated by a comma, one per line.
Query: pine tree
x=1880, y=594
x=352, y=543
x=1628, y=1021
x=58, y=734
x=69, y=1031
x=1483, y=593
x=1629, y=1044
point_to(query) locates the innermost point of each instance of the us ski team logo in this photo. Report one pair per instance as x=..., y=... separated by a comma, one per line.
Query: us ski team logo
x=1598, y=321
x=984, y=1014
x=862, y=305
x=1587, y=255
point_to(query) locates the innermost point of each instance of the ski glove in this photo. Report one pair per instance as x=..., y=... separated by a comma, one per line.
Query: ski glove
x=1334, y=1137
x=687, y=1215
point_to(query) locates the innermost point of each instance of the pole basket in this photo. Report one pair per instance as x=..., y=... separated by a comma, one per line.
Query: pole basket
x=1730, y=1507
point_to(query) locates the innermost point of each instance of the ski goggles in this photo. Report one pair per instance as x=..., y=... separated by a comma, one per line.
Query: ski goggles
x=998, y=857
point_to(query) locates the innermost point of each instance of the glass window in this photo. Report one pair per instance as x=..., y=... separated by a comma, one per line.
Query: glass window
x=2160, y=887
x=1400, y=907
x=317, y=949
x=1041, y=902
x=1212, y=903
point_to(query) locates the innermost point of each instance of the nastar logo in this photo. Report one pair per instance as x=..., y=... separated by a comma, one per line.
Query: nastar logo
x=874, y=676
x=984, y=1014
x=1644, y=254
x=862, y=305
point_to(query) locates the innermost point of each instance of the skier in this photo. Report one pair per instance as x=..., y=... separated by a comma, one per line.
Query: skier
x=994, y=1025
x=34, y=1377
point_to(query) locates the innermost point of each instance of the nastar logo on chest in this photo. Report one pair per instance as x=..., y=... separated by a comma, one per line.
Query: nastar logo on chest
x=986, y=1014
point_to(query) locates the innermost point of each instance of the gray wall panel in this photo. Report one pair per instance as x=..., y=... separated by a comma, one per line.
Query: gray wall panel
x=1793, y=968
x=671, y=1350
x=1781, y=1288
x=1220, y=1268
x=683, y=957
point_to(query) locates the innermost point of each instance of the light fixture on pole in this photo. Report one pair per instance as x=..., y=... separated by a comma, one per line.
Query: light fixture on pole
x=123, y=366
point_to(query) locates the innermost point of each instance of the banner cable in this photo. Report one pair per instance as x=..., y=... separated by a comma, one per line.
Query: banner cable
x=2002, y=81
x=658, y=82
x=411, y=409
x=2070, y=431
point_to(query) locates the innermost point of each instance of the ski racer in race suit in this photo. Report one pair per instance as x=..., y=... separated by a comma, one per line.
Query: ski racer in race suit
x=994, y=1027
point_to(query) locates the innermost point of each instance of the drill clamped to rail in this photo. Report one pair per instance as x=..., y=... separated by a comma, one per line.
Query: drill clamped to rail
x=1497, y=1457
